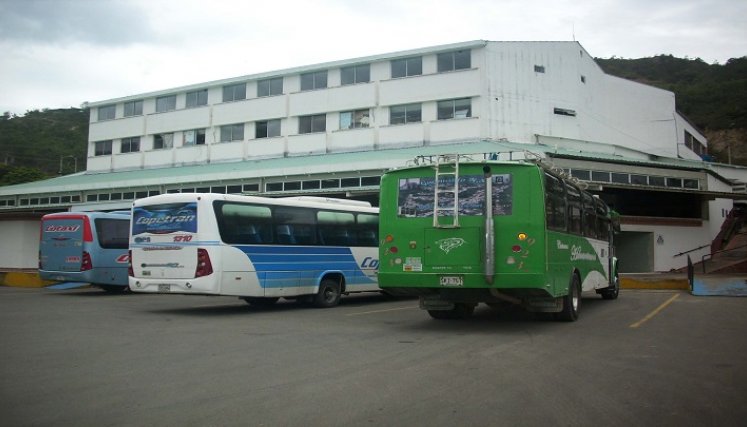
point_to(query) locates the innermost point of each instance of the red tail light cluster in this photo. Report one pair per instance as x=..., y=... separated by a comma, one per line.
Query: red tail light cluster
x=85, y=263
x=204, y=266
x=130, y=271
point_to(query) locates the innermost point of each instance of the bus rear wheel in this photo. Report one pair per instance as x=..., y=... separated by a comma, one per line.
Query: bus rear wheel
x=572, y=301
x=460, y=311
x=328, y=295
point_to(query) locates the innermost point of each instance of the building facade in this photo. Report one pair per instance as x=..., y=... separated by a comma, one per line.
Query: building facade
x=334, y=128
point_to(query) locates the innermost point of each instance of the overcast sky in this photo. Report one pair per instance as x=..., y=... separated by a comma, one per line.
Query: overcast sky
x=62, y=53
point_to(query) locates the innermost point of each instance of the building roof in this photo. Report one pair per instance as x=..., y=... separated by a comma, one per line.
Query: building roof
x=322, y=164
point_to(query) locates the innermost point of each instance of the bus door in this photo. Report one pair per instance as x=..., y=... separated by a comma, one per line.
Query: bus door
x=61, y=244
x=164, y=241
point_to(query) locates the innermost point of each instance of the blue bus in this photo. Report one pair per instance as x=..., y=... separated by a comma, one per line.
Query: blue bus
x=88, y=247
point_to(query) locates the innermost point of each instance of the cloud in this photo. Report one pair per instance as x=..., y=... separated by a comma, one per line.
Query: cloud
x=98, y=22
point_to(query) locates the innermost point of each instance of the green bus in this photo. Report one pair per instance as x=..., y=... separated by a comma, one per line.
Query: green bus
x=540, y=242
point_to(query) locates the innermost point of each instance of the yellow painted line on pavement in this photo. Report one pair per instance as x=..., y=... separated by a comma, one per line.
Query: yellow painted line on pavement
x=655, y=312
x=381, y=311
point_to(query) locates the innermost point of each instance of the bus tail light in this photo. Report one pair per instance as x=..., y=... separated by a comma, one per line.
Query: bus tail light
x=85, y=263
x=130, y=270
x=204, y=266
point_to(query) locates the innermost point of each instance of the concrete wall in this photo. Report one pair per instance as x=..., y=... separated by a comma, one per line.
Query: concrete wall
x=19, y=247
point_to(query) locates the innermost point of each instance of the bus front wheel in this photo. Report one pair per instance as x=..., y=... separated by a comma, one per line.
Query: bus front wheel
x=328, y=295
x=614, y=290
x=572, y=301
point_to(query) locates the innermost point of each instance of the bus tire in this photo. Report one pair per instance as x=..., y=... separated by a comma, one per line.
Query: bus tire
x=572, y=301
x=261, y=301
x=460, y=311
x=614, y=290
x=328, y=295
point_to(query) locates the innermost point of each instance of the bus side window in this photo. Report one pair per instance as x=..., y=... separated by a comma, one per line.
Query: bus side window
x=554, y=203
x=367, y=226
x=573, y=198
x=590, y=219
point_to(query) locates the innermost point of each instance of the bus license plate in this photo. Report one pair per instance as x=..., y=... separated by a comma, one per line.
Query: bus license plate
x=452, y=281
x=164, y=287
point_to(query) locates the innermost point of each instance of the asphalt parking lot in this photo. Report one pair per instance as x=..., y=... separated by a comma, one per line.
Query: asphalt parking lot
x=85, y=357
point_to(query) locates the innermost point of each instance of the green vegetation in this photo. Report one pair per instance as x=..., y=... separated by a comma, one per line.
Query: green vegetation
x=712, y=96
x=45, y=143
x=34, y=146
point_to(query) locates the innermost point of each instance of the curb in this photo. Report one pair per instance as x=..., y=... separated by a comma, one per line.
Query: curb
x=662, y=284
x=19, y=279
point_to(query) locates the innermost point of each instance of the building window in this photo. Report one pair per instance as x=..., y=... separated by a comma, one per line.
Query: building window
x=693, y=144
x=401, y=114
x=656, y=180
x=267, y=128
x=163, y=140
x=234, y=92
x=165, y=103
x=539, y=69
x=407, y=67
x=107, y=112
x=130, y=145
x=620, y=178
x=194, y=137
x=232, y=132
x=133, y=108
x=102, y=148
x=196, y=98
x=354, y=119
x=315, y=80
x=270, y=87
x=355, y=74
x=455, y=109
x=451, y=61
x=312, y=124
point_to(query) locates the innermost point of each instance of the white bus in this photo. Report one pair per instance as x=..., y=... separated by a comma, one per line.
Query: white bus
x=256, y=248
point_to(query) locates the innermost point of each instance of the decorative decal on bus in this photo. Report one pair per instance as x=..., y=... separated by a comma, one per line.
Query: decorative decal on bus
x=61, y=228
x=164, y=219
x=447, y=245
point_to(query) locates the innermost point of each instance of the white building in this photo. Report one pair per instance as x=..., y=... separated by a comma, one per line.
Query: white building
x=334, y=128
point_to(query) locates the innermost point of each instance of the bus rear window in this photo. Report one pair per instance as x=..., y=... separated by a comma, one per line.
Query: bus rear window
x=417, y=195
x=112, y=233
x=163, y=219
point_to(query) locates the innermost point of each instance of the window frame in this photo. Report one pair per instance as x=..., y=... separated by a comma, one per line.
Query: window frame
x=196, y=98
x=358, y=74
x=129, y=142
x=405, y=114
x=406, y=64
x=133, y=108
x=269, y=87
x=266, y=125
x=106, y=112
x=449, y=61
x=315, y=82
x=165, y=103
x=356, y=119
x=314, y=120
x=233, y=129
x=236, y=92
x=441, y=106
x=106, y=146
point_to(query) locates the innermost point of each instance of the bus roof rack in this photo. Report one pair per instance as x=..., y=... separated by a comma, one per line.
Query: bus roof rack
x=329, y=200
x=509, y=155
